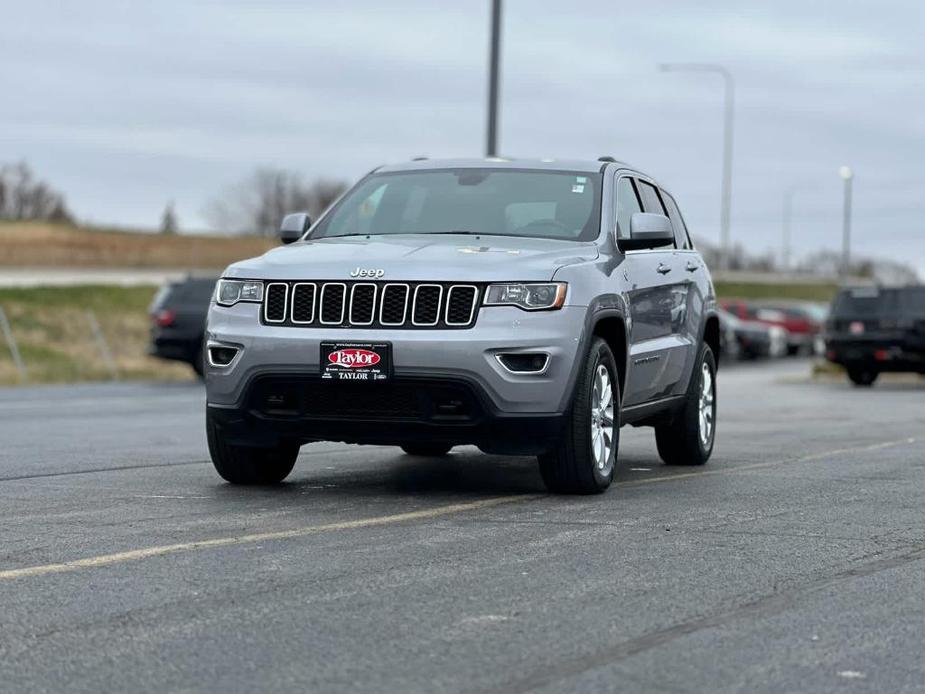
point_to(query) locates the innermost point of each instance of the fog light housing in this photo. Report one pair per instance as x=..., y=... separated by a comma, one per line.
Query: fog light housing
x=222, y=355
x=524, y=362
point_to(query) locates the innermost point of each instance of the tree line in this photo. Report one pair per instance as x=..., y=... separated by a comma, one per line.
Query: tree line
x=258, y=203
x=23, y=197
x=254, y=205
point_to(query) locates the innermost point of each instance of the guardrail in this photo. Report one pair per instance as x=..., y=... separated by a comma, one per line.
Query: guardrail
x=94, y=332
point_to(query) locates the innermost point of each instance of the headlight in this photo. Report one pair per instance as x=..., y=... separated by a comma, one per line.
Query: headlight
x=530, y=297
x=230, y=292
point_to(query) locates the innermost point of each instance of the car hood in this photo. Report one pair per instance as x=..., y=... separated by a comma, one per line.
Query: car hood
x=418, y=257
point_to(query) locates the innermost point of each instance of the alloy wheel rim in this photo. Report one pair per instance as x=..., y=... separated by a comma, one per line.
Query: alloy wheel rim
x=602, y=418
x=707, y=405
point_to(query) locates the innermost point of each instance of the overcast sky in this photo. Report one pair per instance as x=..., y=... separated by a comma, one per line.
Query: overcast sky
x=126, y=105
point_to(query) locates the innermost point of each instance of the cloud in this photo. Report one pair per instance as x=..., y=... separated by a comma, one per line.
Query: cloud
x=127, y=105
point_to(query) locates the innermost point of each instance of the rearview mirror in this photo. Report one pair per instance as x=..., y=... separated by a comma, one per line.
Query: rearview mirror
x=648, y=230
x=294, y=226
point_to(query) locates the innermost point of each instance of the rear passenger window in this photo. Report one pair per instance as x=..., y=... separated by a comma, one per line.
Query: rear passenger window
x=650, y=199
x=627, y=205
x=681, y=237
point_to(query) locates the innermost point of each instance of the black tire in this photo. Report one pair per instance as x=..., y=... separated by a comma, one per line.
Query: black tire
x=570, y=467
x=679, y=441
x=247, y=464
x=426, y=450
x=862, y=376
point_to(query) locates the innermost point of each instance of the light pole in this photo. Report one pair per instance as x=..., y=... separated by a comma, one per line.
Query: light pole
x=729, y=94
x=787, y=219
x=847, y=176
x=491, y=145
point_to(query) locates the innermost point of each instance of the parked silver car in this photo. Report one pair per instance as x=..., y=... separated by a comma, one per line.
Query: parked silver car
x=526, y=307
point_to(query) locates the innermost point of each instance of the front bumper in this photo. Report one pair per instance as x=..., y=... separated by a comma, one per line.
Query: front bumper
x=466, y=355
x=302, y=408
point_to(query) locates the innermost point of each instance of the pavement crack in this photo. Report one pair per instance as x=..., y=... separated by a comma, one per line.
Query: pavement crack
x=766, y=605
x=93, y=471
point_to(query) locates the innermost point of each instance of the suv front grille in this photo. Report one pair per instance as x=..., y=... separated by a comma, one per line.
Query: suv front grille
x=415, y=305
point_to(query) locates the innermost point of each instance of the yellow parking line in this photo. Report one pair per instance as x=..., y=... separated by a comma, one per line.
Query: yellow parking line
x=148, y=552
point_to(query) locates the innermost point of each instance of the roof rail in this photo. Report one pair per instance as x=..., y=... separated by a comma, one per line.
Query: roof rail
x=606, y=157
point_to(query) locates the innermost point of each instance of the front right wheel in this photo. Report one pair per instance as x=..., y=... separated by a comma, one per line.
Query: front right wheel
x=582, y=462
x=688, y=438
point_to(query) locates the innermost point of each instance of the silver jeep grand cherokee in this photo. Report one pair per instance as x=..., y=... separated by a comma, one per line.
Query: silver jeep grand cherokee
x=525, y=307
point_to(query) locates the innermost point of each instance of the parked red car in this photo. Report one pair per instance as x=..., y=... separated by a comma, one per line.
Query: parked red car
x=801, y=321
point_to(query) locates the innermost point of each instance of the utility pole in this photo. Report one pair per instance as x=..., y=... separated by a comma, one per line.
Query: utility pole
x=847, y=176
x=491, y=145
x=787, y=224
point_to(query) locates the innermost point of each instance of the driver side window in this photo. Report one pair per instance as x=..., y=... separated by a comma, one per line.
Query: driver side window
x=627, y=205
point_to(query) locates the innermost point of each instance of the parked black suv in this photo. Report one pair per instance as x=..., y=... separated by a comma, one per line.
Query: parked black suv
x=872, y=330
x=178, y=320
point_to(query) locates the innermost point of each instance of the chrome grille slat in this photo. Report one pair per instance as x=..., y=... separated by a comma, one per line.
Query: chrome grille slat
x=450, y=309
x=384, y=305
x=426, y=301
x=303, y=302
x=324, y=307
x=354, y=301
x=274, y=305
x=372, y=305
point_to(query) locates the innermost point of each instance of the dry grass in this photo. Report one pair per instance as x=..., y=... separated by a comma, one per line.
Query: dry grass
x=822, y=292
x=38, y=244
x=56, y=340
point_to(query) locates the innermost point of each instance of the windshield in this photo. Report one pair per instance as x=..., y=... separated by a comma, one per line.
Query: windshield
x=492, y=202
x=870, y=301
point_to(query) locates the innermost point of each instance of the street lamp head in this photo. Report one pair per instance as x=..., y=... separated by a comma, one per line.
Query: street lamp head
x=846, y=173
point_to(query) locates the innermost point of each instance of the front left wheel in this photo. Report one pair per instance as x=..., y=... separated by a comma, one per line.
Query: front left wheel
x=249, y=464
x=583, y=460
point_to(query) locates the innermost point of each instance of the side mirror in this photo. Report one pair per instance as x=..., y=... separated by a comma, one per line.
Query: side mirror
x=294, y=227
x=648, y=230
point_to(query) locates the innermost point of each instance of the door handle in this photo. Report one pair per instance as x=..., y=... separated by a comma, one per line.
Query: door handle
x=662, y=269
x=690, y=267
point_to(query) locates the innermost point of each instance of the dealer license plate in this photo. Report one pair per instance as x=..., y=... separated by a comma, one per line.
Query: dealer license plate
x=356, y=361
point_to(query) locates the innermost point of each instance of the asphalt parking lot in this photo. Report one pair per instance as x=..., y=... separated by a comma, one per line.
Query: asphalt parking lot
x=795, y=561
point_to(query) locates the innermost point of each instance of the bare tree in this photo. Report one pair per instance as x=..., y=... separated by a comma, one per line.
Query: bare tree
x=22, y=197
x=258, y=203
x=169, y=224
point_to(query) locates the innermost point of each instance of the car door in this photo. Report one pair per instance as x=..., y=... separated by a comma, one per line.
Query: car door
x=674, y=291
x=694, y=279
x=649, y=300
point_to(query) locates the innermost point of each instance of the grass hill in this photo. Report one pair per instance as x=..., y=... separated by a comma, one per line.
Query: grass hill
x=40, y=244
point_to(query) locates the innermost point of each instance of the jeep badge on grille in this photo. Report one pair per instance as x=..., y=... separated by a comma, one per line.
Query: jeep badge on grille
x=375, y=273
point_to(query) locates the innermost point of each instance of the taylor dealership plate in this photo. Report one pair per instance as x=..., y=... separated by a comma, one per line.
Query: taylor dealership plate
x=356, y=361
